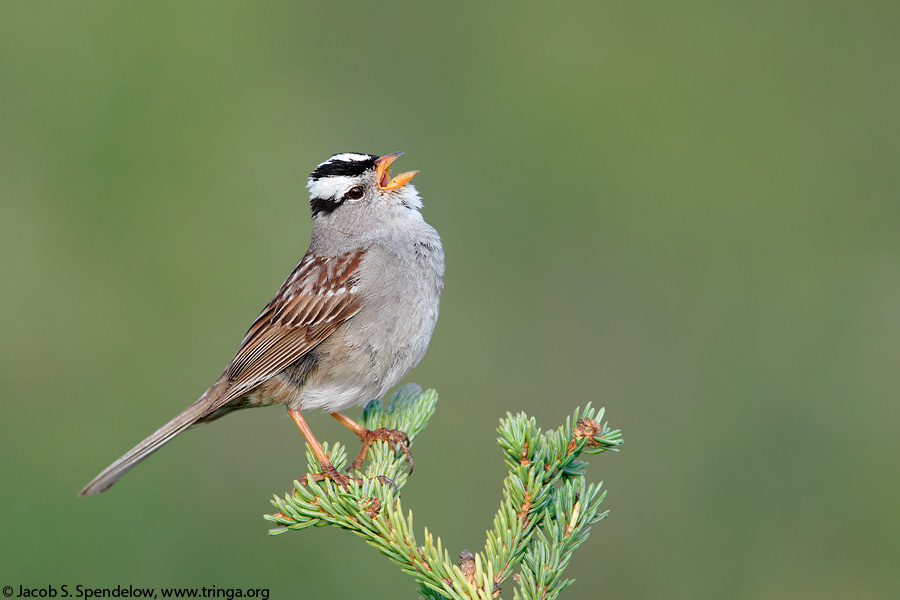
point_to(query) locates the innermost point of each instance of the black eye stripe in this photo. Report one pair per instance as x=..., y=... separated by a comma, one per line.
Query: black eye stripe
x=324, y=205
x=328, y=205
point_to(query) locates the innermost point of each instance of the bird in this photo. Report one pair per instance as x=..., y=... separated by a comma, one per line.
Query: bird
x=351, y=320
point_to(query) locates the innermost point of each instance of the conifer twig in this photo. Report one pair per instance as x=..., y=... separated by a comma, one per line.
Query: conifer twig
x=545, y=514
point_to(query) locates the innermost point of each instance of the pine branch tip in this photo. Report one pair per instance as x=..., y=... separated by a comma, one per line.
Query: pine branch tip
x=545, y=515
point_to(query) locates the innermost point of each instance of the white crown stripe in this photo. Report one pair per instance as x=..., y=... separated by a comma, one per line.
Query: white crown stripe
x=348, y=157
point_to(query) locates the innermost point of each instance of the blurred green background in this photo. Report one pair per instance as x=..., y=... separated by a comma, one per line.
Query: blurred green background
x=685, y=212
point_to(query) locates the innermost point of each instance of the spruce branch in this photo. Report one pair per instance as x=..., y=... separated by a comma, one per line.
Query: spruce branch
x=546, y=511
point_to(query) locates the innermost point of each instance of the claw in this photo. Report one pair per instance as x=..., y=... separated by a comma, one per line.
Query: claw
x=329, y=472
x=393, y=437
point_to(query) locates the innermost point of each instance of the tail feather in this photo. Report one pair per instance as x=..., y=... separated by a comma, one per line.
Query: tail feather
x=154, y=442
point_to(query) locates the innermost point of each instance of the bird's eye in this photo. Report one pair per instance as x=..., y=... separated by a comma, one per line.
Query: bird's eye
x=355, y=193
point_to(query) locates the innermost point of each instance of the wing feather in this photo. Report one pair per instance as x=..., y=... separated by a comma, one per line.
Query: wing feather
x=310, y=306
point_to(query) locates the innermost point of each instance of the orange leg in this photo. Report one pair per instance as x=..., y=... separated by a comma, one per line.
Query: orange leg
x=328, y=469
x=392, y=436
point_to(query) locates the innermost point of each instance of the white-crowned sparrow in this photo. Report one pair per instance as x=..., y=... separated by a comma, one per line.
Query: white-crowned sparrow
x=350, y=321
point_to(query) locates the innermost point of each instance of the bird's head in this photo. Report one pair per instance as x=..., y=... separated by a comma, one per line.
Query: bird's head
x=358, y=183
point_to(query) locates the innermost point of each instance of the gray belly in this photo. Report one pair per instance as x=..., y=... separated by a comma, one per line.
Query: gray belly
x=376, y=348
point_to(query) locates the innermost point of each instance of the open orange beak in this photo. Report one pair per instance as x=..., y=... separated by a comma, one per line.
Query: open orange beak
x=383, y=173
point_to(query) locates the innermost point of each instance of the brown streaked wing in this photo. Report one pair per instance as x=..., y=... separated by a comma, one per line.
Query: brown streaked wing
x=311, y=304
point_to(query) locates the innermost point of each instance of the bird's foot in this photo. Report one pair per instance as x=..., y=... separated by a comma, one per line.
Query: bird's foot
x=329, y=472
x=393, y=437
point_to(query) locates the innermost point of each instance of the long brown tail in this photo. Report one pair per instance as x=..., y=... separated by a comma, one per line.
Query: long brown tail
x=154, y=442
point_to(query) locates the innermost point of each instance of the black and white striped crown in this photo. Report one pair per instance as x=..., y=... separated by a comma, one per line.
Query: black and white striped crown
x=345, y=164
